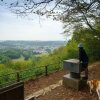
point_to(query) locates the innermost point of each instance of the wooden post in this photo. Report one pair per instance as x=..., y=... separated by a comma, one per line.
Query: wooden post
x=18, y=77
x=46, y=70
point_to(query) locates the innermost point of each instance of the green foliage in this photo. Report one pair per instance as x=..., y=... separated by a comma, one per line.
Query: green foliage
x=26, y=74
x=4, y=59
x=72, y=50
x=39, y=71
x=19, y=65
x=12, y=53
x=7, y=54
x=34, y=59
x=90, y=40
x=27, y=54
x=7, y=75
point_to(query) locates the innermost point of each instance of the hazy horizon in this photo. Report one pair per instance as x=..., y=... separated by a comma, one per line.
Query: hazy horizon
x=32, y=40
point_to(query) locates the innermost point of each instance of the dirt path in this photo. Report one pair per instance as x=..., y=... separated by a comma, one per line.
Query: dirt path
x=42, y=82
x=61, y=93
x=44, y=91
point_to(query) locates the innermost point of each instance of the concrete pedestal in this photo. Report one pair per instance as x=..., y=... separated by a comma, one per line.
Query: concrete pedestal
x=75, y=83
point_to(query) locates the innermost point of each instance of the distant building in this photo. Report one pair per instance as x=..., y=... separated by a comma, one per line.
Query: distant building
x=39, y=51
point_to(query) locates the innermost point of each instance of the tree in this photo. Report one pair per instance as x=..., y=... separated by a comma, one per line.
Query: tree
x=4, y=59
x=71, y=12
x=26, y=55
x=90, y=40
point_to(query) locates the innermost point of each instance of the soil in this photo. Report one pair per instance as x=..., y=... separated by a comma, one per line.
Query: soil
x=34, y=85
x=62, y=93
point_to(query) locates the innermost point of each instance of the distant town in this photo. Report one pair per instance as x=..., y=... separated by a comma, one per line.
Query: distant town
x=38, y=47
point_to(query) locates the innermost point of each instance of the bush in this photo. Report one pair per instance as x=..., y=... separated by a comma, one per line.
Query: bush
x=39, y=71
x=6, y=77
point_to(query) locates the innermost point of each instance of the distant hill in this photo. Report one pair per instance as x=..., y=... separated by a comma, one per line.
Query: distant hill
x=30, y=44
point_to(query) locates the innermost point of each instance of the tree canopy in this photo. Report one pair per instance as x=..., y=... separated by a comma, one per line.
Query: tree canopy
x=72, y=12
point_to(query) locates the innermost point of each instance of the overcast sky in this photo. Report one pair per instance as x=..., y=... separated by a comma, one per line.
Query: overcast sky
x=28, y=28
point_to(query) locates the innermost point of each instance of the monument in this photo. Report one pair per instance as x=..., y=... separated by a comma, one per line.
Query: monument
x=73, y=79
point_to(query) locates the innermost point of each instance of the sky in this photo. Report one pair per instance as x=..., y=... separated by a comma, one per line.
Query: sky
x=13, y=27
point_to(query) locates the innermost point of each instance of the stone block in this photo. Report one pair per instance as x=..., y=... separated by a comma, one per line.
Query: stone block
x=74, y=75
x=72, y=65
x=77, y=84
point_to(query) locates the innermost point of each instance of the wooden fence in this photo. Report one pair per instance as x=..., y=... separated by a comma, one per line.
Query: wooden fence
x=13, y=92
x=26, y=74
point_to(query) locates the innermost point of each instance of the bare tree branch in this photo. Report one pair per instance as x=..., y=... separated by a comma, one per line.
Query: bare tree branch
x=69, y=11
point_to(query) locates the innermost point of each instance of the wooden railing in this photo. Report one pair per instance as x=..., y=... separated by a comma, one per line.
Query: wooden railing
x=23, y=75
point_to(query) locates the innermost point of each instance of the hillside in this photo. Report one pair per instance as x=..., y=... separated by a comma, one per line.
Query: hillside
x=15, y=50
x=61, y=93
